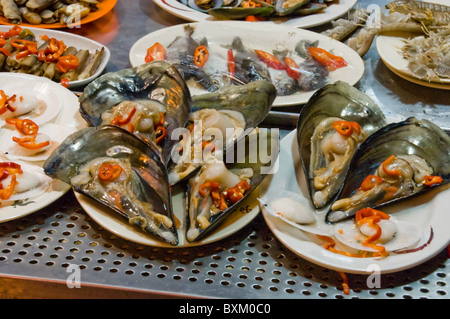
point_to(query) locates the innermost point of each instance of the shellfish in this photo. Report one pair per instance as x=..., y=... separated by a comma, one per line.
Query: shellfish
x=397, y=162
x=331, y=125
x=159, y=91
x=121, y=171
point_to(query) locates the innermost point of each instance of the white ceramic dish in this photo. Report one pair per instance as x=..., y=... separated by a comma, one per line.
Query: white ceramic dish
x=389, y=48
x=255, y=36
x=425, y=211
x=116, y=224
x=78, y=42
x=329, y=14
x=68, y=117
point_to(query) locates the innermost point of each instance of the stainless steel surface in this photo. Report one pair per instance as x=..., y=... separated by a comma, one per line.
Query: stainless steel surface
x=42, y=251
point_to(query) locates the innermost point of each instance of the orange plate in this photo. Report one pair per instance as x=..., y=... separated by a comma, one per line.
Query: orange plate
x=103, y=8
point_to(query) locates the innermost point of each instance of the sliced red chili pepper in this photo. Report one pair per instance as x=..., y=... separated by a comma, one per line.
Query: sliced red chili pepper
x=385, y=165
x=343, y=127
x=155, y=52
x=201, y=55
x=370, y=182
x=269, y=59
x=430, y=180
x=7, y=193
x=231, y=63
x=327, y=59
x=5, y=51
x=65, y=82
x=119, y=120
x=26, y=126
x=292, y=68
x=30, y=142
x=161, y=134
x=67, y=62
x=109, y=172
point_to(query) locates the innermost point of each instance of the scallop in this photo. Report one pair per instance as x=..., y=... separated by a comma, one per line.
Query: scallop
x=31, y=183
x=296, y=211
x=395, y=235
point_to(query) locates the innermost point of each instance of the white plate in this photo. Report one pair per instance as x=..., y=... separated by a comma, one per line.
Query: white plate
x=329, y=14
x=255, y=36
x=78, y=42
x=116, y=224
x=389, y=47
x=69, y=116
x=425, y=211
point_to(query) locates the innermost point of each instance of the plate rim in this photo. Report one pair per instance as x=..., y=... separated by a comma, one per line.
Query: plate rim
x=67, y=35
x=292, y=100
x=349, y=267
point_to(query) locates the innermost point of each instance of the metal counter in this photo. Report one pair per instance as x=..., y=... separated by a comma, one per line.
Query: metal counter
x=38, y=251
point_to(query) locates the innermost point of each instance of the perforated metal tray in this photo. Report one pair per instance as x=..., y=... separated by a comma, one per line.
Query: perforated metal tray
x=49, y=244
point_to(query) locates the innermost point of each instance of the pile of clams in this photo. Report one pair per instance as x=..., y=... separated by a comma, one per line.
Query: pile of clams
x=353, y=159
x=138, y=146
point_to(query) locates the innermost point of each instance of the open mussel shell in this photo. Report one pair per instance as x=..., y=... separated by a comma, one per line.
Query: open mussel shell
x=285, y=7
x=252, y=159
x=241, y=107
x=337, y=100
x=411, y=140
x=141, y=192
x=204, y=5
x=158, y=81
x=238, y=12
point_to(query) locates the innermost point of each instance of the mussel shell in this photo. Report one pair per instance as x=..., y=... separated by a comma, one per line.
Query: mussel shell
x=262, y=166
x=115, y=142
x=157, y=80
x=284, y=7
x=409, y=137
x=233, y=13
x=342, y=100
x=205, y=7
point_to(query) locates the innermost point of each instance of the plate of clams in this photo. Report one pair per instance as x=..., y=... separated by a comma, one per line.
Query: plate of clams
x=33, y=122
x=356, y=192
x=299, y=14
x=161, y=167
x=296, y=61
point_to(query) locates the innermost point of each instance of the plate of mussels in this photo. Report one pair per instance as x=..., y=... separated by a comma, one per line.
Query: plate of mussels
x=159, y=167
x=298, y=14
x=296, y=61
x=35, y=117
x=56, y=55
x=356, y=192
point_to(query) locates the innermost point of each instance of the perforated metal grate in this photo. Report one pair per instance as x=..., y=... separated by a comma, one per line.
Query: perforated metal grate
x=249, y=264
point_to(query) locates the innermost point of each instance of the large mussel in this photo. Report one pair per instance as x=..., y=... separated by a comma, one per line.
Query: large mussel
x=331, y=126
x=151, y=100
x=218, y=120
x=220, y=186
x=397, y=162
x=121, y=171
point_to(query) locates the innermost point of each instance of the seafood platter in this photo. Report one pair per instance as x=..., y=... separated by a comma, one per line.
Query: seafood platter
x=173, y=152
x=299, y=14
x=247, y=53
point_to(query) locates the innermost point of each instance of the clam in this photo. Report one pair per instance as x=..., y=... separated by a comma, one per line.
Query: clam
x=120, y=170
x=152, y=97
x=220, y=186
x=336, y=119
x=397, y=162
x=219, y=119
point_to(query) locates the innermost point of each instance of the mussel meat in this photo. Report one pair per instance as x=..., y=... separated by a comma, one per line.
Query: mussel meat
x=218, y=120
x=121, y=171
x=397, y=162
x=150, y=100
x=220, y=186
x=331, y=126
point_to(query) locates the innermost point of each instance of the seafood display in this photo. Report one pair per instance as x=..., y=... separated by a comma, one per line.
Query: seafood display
x=403, y=16
x=429, y=56
x=304, y=67
x=397, y=162
x=217, y=121
x=151, y=100
x=220, y=185
x=23, y=52
x=46, y=11
x=255, y=10
x=331, y=126
x=119, y=170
